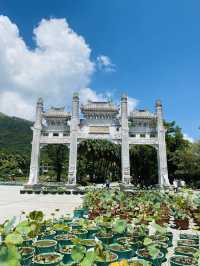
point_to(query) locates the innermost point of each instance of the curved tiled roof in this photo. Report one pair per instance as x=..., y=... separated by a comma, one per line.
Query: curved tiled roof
x=57, y=112
x=99, y=107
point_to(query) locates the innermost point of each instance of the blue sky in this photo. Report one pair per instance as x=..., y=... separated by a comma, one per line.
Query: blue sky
x=153, y=45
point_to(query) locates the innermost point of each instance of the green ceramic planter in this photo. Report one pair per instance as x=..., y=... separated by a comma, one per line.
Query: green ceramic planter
x=188, y=243
x=123, y=251
x=75, y=226
x=48, y=259
x=129, y=241
x=89, y=243
x=105, y=239
x=92, y=232
x=190, y=237
x=185, y=251
x=183, y=261
x=80, y=233
x=66, y=252
x=45, y=246
x=155, y=262
x=78, y=213
x=28, y=242
x=26, y=256
x=169, y=235
x=64, y=239
x=67, y=221
x=47, y=235
x=113, y=258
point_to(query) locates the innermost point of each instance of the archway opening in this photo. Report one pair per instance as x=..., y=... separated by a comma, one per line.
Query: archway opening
x=54, y=162
x=143, y=165
x=98, y=160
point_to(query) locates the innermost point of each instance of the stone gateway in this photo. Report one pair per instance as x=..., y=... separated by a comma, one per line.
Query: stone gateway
x=99, y=120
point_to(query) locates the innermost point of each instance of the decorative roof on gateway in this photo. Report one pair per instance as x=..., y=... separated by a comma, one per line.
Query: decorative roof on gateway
x=99, y=107
x=57, y=112
x=142, y=114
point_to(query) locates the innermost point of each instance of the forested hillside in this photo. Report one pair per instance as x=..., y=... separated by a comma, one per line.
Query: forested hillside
x=15, y=134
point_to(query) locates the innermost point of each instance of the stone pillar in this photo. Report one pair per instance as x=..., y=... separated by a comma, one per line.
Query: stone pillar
x=35, y=153
x=73, y=140
x=125, y=141
x=161, y=150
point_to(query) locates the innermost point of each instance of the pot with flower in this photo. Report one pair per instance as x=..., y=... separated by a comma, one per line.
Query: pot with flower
x=123, y=251
x=105, y=236
x=132, y=262
x=66, y=251
x=80, y=233
x=105, y=258
x=26, y=255
x=47, y=259
x=61, y=228
x=87, y=243
x=188, y=243
x=66, y=219
x=78, y=213
x=190, y=236
x=119, y=228
x=80, y=256
x=47, y=234
x=129, y=241
x=183, y=261
x=185, y=251
x=45, y=246
x=64, y=239
x=181, y=220
x=151, y=252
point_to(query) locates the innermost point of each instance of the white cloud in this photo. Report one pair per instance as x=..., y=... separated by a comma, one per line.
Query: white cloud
x=186, y=137
x=59, y=65
x=104, y=63
x=132, y=103
x=88, y=94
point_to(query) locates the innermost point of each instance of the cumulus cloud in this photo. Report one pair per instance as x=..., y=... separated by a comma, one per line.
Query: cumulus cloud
x=187, y=137
x=59, y=65
x=87, y=94
x=132, y=103
x=104, y=63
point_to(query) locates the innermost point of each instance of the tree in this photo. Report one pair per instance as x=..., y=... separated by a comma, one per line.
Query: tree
x=57, y=156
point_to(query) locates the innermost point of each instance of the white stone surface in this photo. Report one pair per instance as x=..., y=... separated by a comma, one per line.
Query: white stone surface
x=12, y=202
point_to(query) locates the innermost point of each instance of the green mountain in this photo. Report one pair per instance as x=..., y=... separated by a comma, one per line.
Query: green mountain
x=15, y=134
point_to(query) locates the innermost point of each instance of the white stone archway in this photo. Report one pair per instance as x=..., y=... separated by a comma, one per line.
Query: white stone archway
x=100, y=120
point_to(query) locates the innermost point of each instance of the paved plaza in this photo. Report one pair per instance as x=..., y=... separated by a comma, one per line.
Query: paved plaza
x=12, y=202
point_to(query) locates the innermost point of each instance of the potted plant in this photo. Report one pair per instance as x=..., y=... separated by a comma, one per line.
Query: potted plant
x=151, y=252
x=61, y=228
x=47, y=234
x=66, y=251
x=123, y=251
x=45, y=246
x=181, y=220
x=105, y=236
x=185, y=251
x=47, y=259
x=80, y=233
x=188, y=242
x=104, y=258
x=190, y=236
x=183, y=261
x=26, y=255
x=64, y=239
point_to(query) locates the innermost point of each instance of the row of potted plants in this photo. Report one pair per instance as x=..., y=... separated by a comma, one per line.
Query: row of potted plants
x=111, y=228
